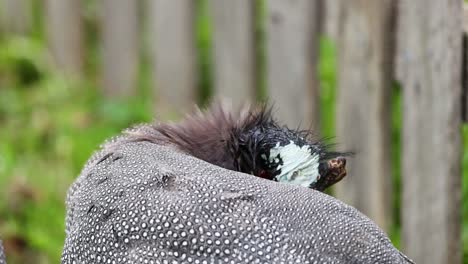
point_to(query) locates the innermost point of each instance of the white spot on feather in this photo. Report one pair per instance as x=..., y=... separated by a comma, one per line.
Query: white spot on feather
x=299, y=166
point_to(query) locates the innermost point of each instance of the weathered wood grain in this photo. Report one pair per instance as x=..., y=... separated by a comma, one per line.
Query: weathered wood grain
x=120, y=47
x=429, y=61
x=292, y=47
x=64, y=26
x=234, y=50
x=172, y=37
x=15, y=16
x=465, y=64
x=366, y=49
x=332, y=18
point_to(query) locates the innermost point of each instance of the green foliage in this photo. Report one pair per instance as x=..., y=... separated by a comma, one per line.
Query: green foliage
x=396, y=163
x=203, y=39
x=327, y=76
x=465, y=195
x=49, y=127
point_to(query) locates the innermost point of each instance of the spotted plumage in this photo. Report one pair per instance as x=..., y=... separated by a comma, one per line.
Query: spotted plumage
x=145, y=199
x=2, y=254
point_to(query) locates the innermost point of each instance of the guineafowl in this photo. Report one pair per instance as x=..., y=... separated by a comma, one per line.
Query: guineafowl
x=217, y=187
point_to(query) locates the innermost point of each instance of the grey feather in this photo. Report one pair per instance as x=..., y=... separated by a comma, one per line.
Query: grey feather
x=2, y=254
x=139, y=202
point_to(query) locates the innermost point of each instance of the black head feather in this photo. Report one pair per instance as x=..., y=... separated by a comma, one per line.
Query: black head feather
x=241, y=141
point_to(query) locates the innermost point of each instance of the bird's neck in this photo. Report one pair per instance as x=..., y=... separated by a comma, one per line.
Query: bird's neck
x=204, y=137
x=218, y=136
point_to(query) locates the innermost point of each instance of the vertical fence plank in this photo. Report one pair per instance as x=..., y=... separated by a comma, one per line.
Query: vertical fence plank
x=465, y=64
x=234, y=57
x=16, y=16
x=174, y=55
x=292, y=47
x=331, y=21
x=65, y=33
x=364, y=114
x=120, y=45
x=429, y=58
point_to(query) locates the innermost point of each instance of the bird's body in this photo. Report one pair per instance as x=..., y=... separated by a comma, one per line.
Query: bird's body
x=140, y=201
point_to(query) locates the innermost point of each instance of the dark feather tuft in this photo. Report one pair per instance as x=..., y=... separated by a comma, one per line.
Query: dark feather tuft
x=209, y=135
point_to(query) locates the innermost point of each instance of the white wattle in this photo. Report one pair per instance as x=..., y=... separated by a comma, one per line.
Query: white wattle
x=299, y=166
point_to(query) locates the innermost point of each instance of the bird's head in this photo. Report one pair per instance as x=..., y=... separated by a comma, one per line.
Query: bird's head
x=251, y=142
x=268, y=150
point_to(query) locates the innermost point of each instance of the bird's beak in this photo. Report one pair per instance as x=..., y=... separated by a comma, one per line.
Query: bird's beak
x=331, y=172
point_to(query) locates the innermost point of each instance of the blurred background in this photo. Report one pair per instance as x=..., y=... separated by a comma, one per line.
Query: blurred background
x=385, y=79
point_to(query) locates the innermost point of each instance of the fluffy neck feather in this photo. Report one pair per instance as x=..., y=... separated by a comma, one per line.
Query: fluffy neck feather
x=211, y=136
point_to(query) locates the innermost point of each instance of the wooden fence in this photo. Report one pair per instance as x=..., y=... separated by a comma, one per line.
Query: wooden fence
x=422, y=49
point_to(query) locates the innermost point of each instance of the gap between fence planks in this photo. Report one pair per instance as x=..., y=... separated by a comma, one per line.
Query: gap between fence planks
x=292, y=57
x=465, y=64
x=429, y=62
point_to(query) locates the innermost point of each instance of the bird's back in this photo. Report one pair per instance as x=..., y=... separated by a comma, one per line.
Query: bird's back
x=145, y=203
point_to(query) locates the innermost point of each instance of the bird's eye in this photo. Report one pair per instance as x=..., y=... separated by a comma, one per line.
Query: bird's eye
x=294, y=175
